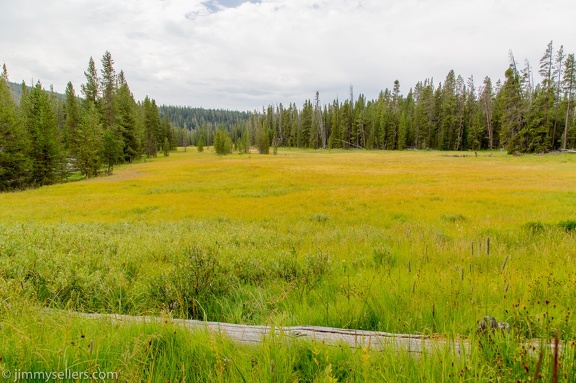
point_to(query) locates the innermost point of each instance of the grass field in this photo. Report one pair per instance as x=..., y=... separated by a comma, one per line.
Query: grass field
x=407, y=242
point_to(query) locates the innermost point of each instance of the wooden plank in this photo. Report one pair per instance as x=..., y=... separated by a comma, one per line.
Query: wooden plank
x=252, y=334
x=414, y=344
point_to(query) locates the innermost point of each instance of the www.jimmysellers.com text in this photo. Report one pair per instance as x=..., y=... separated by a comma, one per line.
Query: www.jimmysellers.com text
x=47, y=376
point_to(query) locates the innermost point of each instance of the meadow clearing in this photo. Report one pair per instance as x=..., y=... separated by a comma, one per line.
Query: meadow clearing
x=409, y=242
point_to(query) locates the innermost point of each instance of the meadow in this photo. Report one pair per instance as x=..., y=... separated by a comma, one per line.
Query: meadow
x=419, y=242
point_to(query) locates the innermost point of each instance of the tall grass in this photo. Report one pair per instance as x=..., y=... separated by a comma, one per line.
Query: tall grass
x=399, y=242
x=41, y=341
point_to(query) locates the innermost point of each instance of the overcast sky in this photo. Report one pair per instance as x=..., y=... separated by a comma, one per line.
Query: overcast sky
x=237, y=54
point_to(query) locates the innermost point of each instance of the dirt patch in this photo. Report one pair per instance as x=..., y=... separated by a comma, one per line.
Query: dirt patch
x=124, y=175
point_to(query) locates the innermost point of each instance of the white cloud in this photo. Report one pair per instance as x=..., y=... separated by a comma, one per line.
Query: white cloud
x=243, y=55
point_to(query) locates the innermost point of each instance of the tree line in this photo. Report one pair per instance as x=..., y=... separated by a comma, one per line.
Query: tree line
x=44, y=137
x=517, y=115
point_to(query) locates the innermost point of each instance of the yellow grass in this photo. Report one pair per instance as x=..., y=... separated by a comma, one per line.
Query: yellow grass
x=377, y=188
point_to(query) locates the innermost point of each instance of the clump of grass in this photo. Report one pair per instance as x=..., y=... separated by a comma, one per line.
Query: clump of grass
x=316, y=266
x=320, y=217
x=568, y=225
x=382, y=255
x=194, y=280
x=453, y=218
x=288, y=268
x=534, y=227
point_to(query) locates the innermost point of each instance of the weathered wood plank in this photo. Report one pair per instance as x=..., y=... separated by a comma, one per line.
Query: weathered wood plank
x=415, y=344
x=251, y=334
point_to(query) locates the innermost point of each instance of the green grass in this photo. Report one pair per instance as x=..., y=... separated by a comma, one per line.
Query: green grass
x=407, y=242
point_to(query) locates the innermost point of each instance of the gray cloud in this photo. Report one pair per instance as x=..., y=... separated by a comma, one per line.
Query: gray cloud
x=245, y=54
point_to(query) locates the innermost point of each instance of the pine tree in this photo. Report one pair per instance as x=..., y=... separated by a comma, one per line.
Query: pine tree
x=112, y=150
x=92, y=86
x=486, y=96
x=358, y=136
x=345, y=125
x=42, y=126
x=558, y=86
x=535, y=134
x=546, y=93
x=569, y=86
x=89, y=142
x=318, y=139
x=394, y=132
x=108, y=88
x=151, y=127
x=245, y=140
x=127, y=120
x=449, y=117
x=305, y=125
x=262, y=140
x=222, y=142
x=200, y=144
x=408, y=112
x=166, y=147
x=14, y=144
x=335, y=134
x=512, y=118
x=72, y=118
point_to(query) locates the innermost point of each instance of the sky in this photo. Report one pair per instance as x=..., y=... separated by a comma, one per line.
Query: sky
x=245, y=55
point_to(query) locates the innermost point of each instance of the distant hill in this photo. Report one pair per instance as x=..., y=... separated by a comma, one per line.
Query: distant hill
x=181, y=116
x=16, y=90
x=195, y=118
